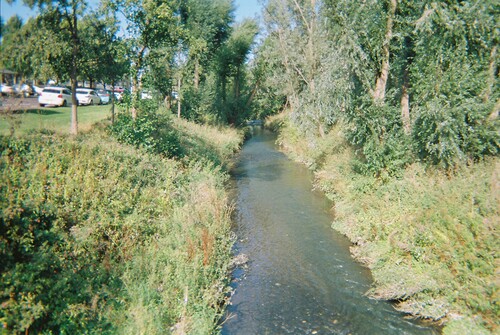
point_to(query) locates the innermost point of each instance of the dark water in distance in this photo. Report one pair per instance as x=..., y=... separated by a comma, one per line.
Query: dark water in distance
x=300, y=278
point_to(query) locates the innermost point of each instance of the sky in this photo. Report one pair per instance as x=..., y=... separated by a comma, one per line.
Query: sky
x=244, y=9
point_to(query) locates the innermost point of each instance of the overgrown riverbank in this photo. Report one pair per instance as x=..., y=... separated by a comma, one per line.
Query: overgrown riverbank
x=430, y=238
x=103, y=237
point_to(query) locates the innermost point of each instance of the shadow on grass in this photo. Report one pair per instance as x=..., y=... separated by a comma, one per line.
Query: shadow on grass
x=41, y=111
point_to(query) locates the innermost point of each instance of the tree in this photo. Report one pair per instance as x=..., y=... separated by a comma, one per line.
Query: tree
x=230, y=65
x=105, y=59
x=151, y=24
x=295, y=29
x=206, y=26
x=61, y=18
x=455, y=82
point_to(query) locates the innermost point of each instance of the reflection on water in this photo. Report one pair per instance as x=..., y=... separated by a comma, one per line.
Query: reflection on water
x=300, y=278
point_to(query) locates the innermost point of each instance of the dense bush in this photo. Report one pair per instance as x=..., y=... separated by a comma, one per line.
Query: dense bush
x=151, y=131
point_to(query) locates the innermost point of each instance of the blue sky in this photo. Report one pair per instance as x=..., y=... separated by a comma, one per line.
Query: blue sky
x=244, y=9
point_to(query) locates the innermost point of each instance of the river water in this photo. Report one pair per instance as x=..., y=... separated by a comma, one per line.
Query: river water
x=300, y=278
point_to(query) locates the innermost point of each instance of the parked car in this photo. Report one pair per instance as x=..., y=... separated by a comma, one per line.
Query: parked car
x=7, y=89
x=38, y=89
x=120, y=93
x=146, y=95
x=58, y=96
x=104, y=95
x=87, y=96
x=25, y=90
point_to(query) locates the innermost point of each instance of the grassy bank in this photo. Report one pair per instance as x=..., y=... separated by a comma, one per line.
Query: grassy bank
x=430, y=238
x=102, y=237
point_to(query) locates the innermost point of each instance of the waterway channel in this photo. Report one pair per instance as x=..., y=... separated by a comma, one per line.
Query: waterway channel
x=300, y=277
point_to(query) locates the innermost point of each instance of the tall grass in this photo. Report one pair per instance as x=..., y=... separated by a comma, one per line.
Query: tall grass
x=99, y=237
x=430, y=238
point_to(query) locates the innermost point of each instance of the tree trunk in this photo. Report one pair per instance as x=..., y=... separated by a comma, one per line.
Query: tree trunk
x=491, y=82
x=74, y=73
x=179, y=97
x=405, y=95
x=495, y=112
x=135, y=95
x=196, y=74
x=112, y=102
x=237, y=84
x=405, y=107
x=491, y=74
x=380, y=86
x=135, y=83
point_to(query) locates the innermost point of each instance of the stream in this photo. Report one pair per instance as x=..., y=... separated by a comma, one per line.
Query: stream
x=300, y=277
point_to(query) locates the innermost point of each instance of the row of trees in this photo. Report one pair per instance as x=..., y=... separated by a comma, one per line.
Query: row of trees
x=409, y=79
x=191, y=46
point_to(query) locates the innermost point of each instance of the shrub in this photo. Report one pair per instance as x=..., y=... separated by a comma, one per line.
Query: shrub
x=151, y=131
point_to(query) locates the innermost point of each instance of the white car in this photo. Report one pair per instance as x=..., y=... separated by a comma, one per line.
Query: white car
x=87, y=96
x=58, y=96
x=38, y=89
x=104, y=95
x=7, y=89
x=146, y=95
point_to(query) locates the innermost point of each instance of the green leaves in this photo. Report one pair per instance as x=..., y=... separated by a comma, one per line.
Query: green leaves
x=150, y=131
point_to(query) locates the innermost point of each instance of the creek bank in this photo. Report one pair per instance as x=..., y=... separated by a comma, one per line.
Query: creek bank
x=104, y=237
x=428, y=238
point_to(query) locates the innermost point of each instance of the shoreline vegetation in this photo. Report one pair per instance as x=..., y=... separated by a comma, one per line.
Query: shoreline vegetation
x=123, y=229
x=429, y=236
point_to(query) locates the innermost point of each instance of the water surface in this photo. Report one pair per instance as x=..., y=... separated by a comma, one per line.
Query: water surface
x=300, y=278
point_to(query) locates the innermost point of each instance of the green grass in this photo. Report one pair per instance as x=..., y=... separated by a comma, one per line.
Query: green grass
x=55, y=119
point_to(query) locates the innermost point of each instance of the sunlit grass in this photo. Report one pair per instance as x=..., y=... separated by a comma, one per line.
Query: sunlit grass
x=55, y=119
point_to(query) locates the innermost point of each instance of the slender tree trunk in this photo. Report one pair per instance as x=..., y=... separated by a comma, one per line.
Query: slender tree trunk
x=237, y=84
x=312, y=54
x=405, y=95
x=491, y=83
x=136, y=83
x=74, y=73
x=113, y=102
x=179, y=81
x=168, y=102
x=196, y=74
x=405, y=105
x=292, y=98
x=380, y=86
x=252, y=95
x=496, y=110
x=491, y=74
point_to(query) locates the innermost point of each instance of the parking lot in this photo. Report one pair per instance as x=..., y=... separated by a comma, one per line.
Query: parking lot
x=18, y=103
